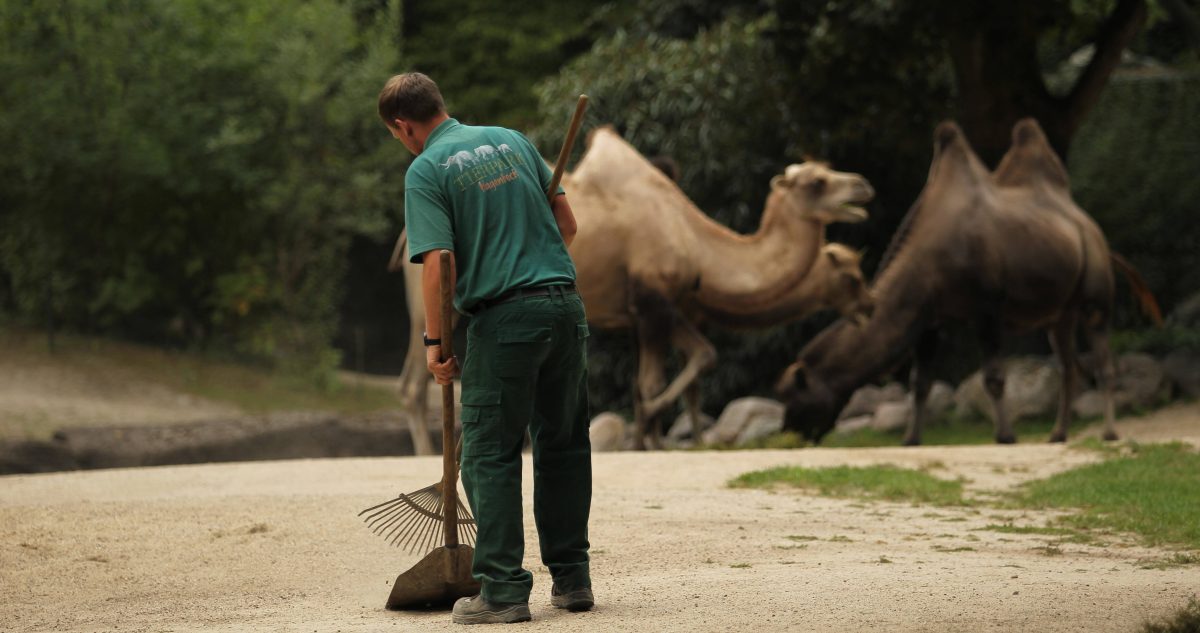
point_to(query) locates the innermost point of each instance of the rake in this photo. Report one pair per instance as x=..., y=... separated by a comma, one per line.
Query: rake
x=413, y=521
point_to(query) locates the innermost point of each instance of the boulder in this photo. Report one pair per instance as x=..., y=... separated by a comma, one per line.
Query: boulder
x=867, y=399
x=1186, y=313
x=607, y=432
x=1182, y=367
x=759, y=427
x=850, y=425
x=1141, y=382
x=892, y=415
x=738, y=416
x=1031, y=389
x=940, y=400
x=682, y=428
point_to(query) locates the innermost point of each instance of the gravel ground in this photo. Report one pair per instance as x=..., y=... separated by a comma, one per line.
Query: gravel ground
x=276, y=546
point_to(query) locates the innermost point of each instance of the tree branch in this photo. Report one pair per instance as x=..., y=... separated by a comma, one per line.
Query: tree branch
x=1115, y=34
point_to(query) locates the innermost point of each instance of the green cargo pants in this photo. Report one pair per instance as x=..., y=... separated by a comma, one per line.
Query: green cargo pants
x=526, y=367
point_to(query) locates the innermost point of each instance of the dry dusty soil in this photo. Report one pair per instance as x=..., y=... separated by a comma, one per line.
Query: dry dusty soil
x=276, y=546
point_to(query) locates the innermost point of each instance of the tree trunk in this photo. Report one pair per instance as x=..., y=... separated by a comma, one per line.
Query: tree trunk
x=1000, y=81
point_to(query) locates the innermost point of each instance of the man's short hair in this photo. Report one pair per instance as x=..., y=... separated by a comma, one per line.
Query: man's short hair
x=412, y=97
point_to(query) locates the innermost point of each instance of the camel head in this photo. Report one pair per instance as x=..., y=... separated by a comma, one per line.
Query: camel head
x=822, y=194
x=811, y=408
x=846, y=289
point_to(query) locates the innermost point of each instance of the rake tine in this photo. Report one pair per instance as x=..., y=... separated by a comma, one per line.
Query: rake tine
x=398, y=517
x=397, y=534
x=384, y=516
x=413, y=534
x=384, y=508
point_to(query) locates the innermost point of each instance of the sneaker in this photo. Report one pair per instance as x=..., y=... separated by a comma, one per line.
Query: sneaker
x=575, y=600
x=478, y=611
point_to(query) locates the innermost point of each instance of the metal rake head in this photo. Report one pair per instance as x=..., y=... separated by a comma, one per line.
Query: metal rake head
x=413, y=521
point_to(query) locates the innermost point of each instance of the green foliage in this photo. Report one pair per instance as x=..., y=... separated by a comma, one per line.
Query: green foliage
x=191, y=171
x=1133, y=168
x=486, y=56
x=1154, y=492
x=888, y=483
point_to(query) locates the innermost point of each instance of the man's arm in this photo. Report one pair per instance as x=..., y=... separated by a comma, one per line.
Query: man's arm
x=564, y=218
x=431, y=278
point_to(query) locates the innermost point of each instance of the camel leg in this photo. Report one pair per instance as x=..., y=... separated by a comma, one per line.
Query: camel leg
x=1062, y=339
x=993, y=380
x=920, y=382
x=691, y=404
x=654, y=319
x=413, y=391
x=700, y=354
x=652, y=345
x=1106, y=373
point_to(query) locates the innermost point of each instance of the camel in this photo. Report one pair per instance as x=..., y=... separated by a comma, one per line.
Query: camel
x=647, y=259
x=1008, y=250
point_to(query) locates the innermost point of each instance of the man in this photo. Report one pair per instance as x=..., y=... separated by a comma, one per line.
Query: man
x=481, y=192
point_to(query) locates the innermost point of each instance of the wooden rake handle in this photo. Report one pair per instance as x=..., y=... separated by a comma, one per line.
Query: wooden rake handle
x=449, y=465
x=560, y=166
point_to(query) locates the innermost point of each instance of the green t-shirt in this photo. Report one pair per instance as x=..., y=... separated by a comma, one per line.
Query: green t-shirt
x=481, y=192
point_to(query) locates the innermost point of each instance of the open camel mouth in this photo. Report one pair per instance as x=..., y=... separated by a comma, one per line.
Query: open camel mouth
x=848, y=212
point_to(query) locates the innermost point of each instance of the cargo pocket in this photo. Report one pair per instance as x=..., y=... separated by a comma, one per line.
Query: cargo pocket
x=482, y=422
x=582, y=331
x=520, y=348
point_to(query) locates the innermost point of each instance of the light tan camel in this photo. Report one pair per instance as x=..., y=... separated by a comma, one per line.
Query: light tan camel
x=648, y=259
x=1008, y=250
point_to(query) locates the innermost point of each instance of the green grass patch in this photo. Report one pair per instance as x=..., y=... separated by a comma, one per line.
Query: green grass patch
x=1153, y=492
x=1186, y=620
x=886, y=482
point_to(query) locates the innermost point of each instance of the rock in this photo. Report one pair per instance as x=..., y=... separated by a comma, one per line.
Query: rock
x=1186, y=313
x=607, y=432
x=1031, y=389
x=1182, y=367
x=940, y=400
x=850, y=425
x=892, y=415
x=738, y=416
x=1141, y=382
x=682, y=428
x=1089, y=404
x=867, y=399
x=759, y=427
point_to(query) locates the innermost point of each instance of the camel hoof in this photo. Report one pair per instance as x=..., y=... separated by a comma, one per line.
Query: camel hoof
x=1111, y=436
x=1058, y=438
x=1006, y=439
x=912, y=441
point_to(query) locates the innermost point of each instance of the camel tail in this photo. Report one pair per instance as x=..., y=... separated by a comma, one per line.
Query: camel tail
x=397, y=261
x=1140, y=290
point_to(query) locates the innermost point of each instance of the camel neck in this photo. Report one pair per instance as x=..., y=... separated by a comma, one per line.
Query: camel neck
x=750, y=274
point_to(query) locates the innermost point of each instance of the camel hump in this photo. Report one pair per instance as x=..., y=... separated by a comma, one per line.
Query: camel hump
x=1028, y=131
x=1031, y=158
x=948, y=134
x=602, y=130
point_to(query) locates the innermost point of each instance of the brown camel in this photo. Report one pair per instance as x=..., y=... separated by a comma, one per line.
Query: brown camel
x=1008, y=250
x=648, y=259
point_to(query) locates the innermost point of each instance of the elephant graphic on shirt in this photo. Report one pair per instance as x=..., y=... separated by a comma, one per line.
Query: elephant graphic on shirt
x=504, y=148
x=462, y=159
x=484, y=152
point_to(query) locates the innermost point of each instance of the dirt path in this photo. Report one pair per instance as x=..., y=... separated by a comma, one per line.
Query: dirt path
x=276, y=546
